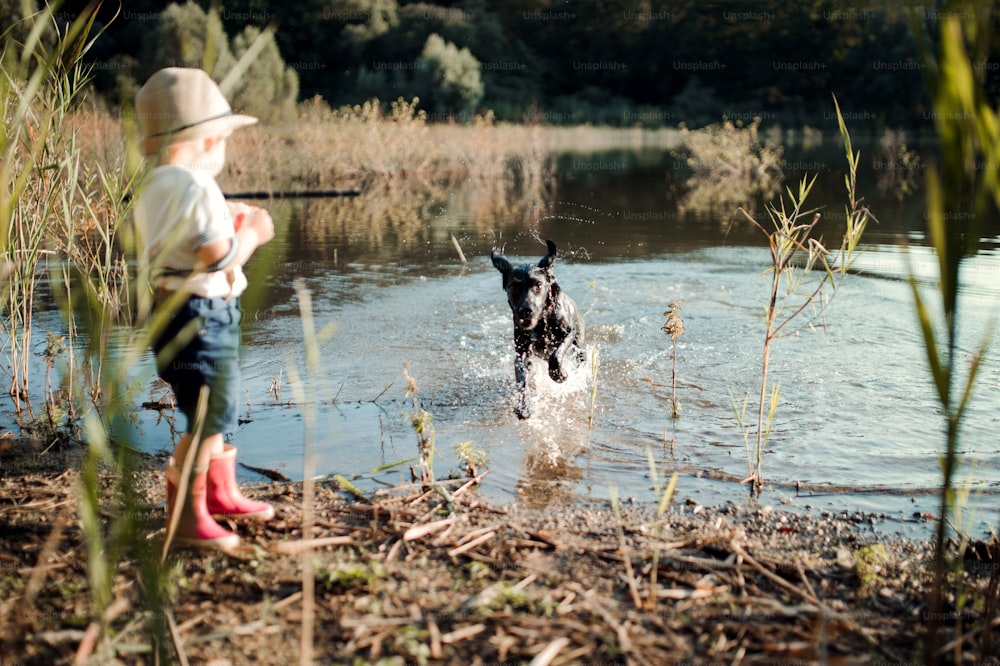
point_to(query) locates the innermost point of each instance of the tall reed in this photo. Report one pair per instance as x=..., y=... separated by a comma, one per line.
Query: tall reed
x=306, y=386
x=664, y=492
x=960, y=188
x=423, y=425
x=674, y=328
x=56, y=213
x=36, y=95
x=797, y=258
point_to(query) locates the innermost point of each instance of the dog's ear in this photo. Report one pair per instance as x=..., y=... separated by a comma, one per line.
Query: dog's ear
x=501, y=264
x=550, y=258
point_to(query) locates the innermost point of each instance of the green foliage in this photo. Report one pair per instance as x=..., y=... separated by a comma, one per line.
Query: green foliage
x=448, y=78
x=351, y=574
x=510, y=72
x=696, y=104
x=959, y=191
x=16, y=26
x=423, y=425
x=472, y=458
x=188, y=36
x=268, y=89
x=364, y=20
x=624, y=63
x=869, y=563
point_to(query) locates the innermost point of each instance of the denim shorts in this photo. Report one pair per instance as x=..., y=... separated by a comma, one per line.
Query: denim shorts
x=211, y=358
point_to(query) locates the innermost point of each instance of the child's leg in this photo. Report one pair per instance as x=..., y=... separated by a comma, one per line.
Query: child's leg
x=209, y=360
x=224, y=496
x=195, y=525
x=211, y=447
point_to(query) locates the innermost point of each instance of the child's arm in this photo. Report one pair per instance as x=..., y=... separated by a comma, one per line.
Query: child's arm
x=257, y=228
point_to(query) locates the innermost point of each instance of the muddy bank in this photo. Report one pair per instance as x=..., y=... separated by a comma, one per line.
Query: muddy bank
x=438, y=575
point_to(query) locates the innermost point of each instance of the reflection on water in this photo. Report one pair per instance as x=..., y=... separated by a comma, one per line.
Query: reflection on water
x=857, y=412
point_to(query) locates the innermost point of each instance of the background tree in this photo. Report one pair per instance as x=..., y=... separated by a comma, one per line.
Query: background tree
x=269, y=89
x=686, y=60
x=326, y=41
x=188, y=36
x=448, y=77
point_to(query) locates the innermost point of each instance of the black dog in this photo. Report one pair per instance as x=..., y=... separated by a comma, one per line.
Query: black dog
x=547, y=322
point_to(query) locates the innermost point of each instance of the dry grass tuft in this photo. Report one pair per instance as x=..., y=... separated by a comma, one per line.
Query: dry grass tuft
x=387, y=148
x=730, y=167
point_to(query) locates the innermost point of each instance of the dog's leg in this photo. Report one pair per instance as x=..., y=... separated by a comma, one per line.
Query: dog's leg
x=570, y=349
x=521, y=364
x=577, y=348
x=556, y=370
x=571, y=328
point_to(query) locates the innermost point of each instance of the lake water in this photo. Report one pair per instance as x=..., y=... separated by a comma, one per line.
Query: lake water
x=858, y=426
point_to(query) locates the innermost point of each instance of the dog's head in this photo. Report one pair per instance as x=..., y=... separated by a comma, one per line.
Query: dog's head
x=529, y=287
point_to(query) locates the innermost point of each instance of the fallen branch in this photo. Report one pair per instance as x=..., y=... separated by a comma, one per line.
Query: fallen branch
x=463, y=633
x=296, y=547
x=545, y=657
x=175, y=637
x=299, y=194
x=272, y=474
x=420, y=531
x=472, y=544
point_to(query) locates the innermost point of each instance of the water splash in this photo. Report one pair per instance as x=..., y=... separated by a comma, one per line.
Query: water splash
x=571, y=218
x=597, y=213
x=559, y=408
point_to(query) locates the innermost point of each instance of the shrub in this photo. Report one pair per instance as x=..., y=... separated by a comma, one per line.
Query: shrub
x=729, y=166
x=897, y=166
x=269, y=88
x=449, y=77
x=187, y=36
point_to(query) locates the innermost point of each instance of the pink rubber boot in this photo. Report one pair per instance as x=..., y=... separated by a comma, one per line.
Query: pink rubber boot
x=224, y=496
x=196, y=526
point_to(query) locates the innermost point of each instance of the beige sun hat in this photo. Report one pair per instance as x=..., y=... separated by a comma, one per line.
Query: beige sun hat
x=181, y=104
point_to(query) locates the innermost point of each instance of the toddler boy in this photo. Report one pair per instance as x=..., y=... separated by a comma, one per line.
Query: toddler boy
x=188, y=241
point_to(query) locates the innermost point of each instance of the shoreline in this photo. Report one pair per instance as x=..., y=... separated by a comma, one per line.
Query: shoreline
x=425, y=575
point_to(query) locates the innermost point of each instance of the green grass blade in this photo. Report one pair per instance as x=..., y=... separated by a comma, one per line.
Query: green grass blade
x=382, y=468
x=970, y=380
x=667, y=495
x=939, y=373
x=350, y=487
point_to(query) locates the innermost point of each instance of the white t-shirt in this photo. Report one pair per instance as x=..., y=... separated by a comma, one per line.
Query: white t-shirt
x=176, y=212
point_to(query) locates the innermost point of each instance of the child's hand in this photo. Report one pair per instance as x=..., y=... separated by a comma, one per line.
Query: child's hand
x=239, y=213
x=257, y=220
